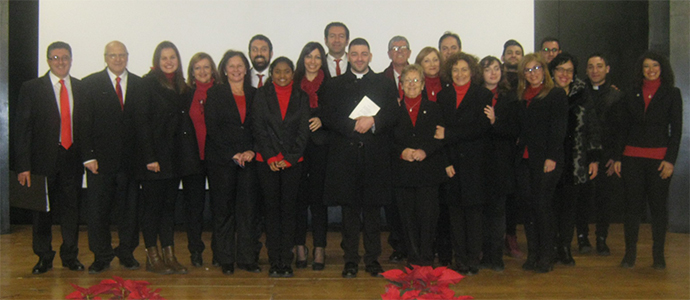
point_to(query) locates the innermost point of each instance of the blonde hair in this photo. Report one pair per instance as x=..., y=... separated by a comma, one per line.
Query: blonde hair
x=522, y=81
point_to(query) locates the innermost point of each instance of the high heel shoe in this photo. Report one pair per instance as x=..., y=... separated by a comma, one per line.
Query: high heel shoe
x=301, y=264
x=318, y=266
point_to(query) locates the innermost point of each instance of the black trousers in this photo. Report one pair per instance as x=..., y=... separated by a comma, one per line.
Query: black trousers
x=513, y=214
x=536, y=190
x=280, y=199
x=365, y=218
x=644, y=186
x=310, y=197
x=466, y=231
x=63, y=193
x=158, y=205
x=112, y=197
x=194, y=191
x=494, y=227
x=442, y=245
x=396, y=238
x=418, y=208
x=567, y=198
x=608, y=194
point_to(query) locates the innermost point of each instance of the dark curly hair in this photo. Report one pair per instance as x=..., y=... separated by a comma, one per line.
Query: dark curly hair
x=471, y=60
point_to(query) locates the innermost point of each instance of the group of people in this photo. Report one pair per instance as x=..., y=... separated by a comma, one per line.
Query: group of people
x=451, y=147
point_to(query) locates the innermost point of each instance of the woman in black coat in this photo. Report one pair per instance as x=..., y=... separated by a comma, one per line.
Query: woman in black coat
x=201, y=75
x=281, y=132
x=418, y=167
x=157, y=121
x=466, y=139
x=500, y=177
x=542, y=121
x=650, y=127
x=233, y=185
x=312, y=73
x=582, y=152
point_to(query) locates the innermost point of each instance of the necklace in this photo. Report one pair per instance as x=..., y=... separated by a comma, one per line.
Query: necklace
x=411, y=107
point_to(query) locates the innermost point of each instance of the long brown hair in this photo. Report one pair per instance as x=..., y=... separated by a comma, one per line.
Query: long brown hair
x=178, y=85
x=522, y=81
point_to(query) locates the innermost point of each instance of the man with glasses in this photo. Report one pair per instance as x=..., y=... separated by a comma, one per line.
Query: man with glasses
x=108, y=141
x=550, y=48
x=399, y=52
x=47, y=143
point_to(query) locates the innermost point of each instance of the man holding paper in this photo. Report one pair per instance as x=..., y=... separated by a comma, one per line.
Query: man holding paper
x=359, y=110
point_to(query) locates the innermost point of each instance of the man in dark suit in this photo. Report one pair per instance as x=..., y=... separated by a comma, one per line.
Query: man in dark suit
x=336, y=37
x=399, y=52
x=48, y=144
x=107, y=152
x=358, y=175
x=260, y=54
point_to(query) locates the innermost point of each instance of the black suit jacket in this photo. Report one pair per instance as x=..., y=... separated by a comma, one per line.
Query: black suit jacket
x=226, y=135
x=156, y=118
x=351, y=154
x=274, y=135
x=108, y=134
x=543, y=125
x=38, y=128
x=466, y=137
x=189, y=160
x=431, y=170
x=660, y=126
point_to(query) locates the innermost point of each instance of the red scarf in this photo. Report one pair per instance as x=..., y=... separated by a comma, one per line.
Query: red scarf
x=460, y=92
x=283, y=93
x=170, y=76
x=433, y=86
x=495, y=99
x=529, y=94
x=649, y=88
x=196, y=113
x=412, y=105
x=310, y=87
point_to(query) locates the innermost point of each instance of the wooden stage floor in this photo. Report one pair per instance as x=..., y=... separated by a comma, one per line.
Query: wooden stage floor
x=594, y=277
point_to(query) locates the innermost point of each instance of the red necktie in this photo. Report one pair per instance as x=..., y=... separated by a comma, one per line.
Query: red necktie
x=261, y=80
x=66, y=120
x=400, y=90
x=118, y=90
x=337, y=67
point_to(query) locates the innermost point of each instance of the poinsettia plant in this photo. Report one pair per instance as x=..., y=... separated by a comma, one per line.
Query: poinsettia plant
x=116, y=288
x=421, y=283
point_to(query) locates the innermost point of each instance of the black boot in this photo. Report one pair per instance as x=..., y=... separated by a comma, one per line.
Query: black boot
x=565, y=256
x=602, y=248
x=583, y=244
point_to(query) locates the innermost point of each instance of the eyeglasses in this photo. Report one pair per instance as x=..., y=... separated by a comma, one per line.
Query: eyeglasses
x=58, y=58
x=399, y=48
x=564, y=70
x=409, y=81
x=115, y=56
x=554, y=50
x=533, y=70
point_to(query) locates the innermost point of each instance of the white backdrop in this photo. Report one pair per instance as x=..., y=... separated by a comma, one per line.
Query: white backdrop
x=213, y=26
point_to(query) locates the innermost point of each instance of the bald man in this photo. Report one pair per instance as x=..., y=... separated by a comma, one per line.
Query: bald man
x=107, y=154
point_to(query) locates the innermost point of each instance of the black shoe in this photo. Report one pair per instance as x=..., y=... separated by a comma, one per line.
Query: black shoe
x=628, y=260
x=318, y=266
x=397, y=256
x=215, y=262
x=602, y=248
x=197, y=260
x=253, y=267
x=275, y=271
x=530, y=264
x=460, y=268
x=228, y=269
x=286, y=272
x=543, y=267
x=374, y=269
x=659, y=265
x=583, y=244
x=445, y=262
x=98, y=267
x=565, y=256
x=42, y=266
x=73, y=264
x=350, y=270
x=129, y=263
x=301, y=264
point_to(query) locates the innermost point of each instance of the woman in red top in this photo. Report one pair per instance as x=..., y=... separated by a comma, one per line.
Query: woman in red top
x=430, y=60
x=281, y=132
x=311, y=73
x=201, y=75
x=649, y=137
x=542, y=120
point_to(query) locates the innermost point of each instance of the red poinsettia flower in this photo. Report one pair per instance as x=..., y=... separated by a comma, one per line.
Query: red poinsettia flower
x=146, y=293
x=87, y=293
x=421, y=283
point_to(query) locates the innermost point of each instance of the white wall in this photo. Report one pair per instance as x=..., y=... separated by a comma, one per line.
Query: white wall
x=213, y=26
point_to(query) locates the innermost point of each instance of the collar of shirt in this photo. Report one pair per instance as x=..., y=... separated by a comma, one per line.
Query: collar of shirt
x=331, y=64
x=397, y=77
x=255, y=78
x=55, y=81
x=123, y=82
